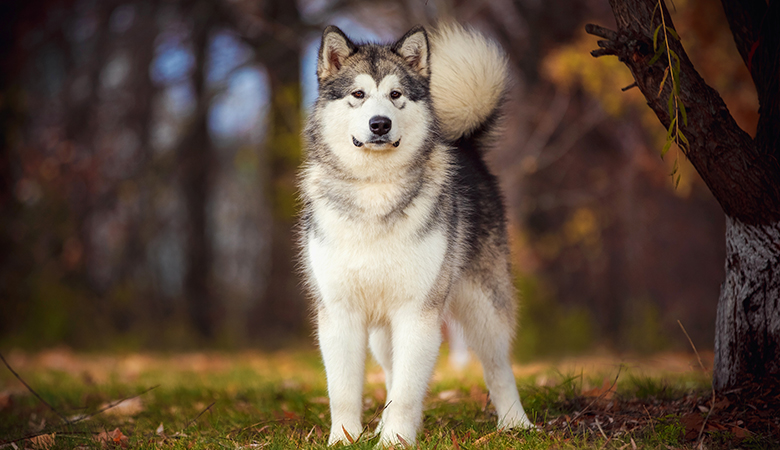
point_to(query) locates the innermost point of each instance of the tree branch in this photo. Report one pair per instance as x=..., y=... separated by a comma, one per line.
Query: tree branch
x=744, y=180
x=745, y=18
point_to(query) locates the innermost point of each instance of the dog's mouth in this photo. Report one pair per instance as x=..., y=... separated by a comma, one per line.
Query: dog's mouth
x=377, y=142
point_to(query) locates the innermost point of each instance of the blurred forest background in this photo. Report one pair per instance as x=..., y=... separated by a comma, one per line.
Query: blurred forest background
x=149, y=151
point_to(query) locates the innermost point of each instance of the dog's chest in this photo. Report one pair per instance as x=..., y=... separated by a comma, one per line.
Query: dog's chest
x=359, y=257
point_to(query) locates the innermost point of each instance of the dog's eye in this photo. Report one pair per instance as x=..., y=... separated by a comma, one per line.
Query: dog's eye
x=395, y=95
x=358, y=94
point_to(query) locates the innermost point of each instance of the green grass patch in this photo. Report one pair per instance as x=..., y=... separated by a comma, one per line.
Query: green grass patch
x=279, y=401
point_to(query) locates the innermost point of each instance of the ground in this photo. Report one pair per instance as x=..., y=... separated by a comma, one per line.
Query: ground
x=256, y=400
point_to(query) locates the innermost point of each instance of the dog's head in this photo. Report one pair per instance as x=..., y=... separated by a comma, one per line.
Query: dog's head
x=374, y=98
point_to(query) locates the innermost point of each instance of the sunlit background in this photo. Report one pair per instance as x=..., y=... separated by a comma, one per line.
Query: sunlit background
x=147, y=177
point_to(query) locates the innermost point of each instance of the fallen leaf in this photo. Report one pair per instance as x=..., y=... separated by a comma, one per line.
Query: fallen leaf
x=42, y=442
x=160, y=430
x=34, y=425
x=346, y=433
x=606, y=391
x=692, y=423
x=448, y=395
x=740, y=433
x=5, y=400
x=123, y=408
x=112, y=438
x=455, y=441
x=484, y=438
x=721, y=404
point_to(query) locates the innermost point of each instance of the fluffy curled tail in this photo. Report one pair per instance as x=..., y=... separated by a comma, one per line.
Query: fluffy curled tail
x=468, y=78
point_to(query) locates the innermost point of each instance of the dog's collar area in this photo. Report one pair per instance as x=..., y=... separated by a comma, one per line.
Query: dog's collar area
x=357, y=143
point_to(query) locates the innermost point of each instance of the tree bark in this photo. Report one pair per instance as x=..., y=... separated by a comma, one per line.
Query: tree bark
x=747, y=339
x=741, y=172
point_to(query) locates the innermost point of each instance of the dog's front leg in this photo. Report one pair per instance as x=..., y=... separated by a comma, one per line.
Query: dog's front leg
x=342, y=336
x=416, y=339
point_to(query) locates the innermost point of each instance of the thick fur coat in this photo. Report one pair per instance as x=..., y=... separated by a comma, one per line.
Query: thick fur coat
x=403, y=225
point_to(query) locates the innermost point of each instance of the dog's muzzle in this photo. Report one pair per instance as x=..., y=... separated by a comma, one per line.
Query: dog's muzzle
x=357, y=143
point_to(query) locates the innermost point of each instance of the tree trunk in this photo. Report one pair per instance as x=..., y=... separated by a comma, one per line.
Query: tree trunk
x=275, y=32
x=748, y=323
x=741, y=172
x=196, y=160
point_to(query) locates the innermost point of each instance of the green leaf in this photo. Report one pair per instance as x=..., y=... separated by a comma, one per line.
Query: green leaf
x=671, y=128
x=663, y=81
x=656, y=57
x=683, y=113
x=655, y=38
x=676, y=60
x=673, y=33
x=674, y=168
x=682, y=137
x=666, y=148
x=670, y=104
x=669, y=139
x=675, y=82
x=677, y=182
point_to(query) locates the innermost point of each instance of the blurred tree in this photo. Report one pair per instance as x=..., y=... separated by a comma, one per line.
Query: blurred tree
x=276, y=31
x=742, y=172
x=196, y=162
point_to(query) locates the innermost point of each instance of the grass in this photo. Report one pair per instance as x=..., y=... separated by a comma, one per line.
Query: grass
x=279, y=401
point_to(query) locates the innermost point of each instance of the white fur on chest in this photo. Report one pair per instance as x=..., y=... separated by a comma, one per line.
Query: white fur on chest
x=369, y=264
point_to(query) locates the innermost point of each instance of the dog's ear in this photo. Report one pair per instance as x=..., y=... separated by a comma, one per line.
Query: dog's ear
x=334, y=49
x=413, y=47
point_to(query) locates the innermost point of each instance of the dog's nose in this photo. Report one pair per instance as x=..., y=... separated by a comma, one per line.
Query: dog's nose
x=380, y=125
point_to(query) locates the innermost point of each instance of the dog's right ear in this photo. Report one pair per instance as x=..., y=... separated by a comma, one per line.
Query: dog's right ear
x=334, y=49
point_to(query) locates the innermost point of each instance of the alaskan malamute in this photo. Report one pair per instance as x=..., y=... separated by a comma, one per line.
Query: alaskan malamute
x=402, y=224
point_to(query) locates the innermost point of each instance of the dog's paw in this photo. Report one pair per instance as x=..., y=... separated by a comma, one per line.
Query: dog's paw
x=516, y=420
x=396, y=441
x=340, y=435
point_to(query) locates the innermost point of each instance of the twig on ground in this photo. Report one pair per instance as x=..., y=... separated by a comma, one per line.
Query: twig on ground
x=310, y=432
x=712, y=403
x=601, y=429
x=649, y=416
x=303, y=421
x=50, y=430
x=376, y=414
x=198, y=416
x=64, y=419
x=580, y=413
x=113, y=404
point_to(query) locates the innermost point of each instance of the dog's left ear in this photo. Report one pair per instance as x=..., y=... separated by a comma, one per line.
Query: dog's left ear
x=413, y=47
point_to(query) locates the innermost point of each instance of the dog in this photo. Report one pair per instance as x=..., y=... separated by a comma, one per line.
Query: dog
x=402, y=224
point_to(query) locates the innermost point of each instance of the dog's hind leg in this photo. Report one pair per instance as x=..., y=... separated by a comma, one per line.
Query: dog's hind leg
x=342, y=336
x=488, y=327
x=381, y=344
